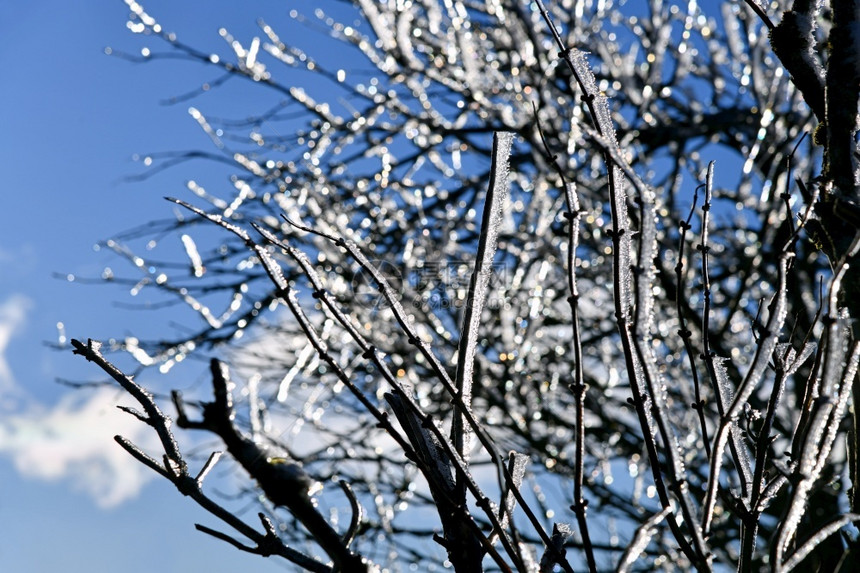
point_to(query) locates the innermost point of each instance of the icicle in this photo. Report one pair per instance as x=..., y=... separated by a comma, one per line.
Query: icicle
x=193, y=255
x=517, y=468
x=641, y=539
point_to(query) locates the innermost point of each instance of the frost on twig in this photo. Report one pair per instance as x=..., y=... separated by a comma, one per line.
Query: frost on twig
x=793, y=41
x=491, y=222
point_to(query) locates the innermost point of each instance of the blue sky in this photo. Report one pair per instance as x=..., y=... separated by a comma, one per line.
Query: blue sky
x=72, y=118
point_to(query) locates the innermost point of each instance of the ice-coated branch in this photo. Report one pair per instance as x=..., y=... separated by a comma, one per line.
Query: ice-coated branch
x=764, y=350
x=839, y=371
x=716, y=370
x=633, y=314
x=843, y=94
x=284, y=482
x=491, y=222
x=573, y=214
x=401, y=317
x=419, y=443
x=816, y=539
x=406, y=408
x=176, y=470
x=683, y=332
x=644, y=535
x=794, y=43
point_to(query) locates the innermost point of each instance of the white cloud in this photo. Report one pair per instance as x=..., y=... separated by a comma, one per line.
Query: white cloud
x=13, y=313
x=74, y=441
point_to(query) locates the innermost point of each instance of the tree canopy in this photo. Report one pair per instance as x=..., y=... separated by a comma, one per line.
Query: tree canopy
x=518, y=286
